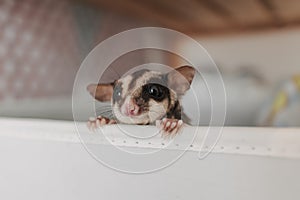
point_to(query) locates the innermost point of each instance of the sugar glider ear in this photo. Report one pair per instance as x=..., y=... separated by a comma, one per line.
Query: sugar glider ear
x=101, y=92
x=180, y=79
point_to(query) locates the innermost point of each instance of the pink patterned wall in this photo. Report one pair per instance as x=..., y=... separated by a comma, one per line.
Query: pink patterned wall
x=42, y=43
x=38, y=51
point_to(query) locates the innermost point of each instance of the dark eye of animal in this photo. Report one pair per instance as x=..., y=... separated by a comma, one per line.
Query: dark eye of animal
x=156, y=91
x=117, y=93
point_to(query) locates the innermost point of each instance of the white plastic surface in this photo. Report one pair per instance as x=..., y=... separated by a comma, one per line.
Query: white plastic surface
x=43, y=159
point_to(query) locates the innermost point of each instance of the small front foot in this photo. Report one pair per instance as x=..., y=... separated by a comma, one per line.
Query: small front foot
x=94, y=123
x=169, y=127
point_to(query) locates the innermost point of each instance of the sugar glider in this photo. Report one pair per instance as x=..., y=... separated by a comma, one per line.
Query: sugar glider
x=144, y=97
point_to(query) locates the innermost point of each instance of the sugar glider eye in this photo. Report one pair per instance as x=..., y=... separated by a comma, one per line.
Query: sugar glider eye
x=153, y=90
x=156, y=91
x=117, y=93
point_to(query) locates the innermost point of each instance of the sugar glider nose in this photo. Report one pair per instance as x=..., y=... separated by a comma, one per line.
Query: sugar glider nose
x=132, y=109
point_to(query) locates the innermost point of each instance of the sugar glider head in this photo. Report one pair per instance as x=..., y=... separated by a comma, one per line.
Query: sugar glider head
x=145, y=96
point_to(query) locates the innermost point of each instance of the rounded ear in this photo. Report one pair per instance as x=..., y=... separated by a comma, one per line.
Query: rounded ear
x=180, y=79
x=101, y=92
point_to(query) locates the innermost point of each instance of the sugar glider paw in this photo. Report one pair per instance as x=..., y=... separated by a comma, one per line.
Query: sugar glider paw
x=169, y=127
x=94, y=123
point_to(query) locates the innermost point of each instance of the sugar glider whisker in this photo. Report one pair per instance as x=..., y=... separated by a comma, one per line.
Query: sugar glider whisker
x=145, y=97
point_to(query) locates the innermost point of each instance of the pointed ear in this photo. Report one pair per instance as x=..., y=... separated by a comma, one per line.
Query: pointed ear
x=101, y=92
x=180, y=79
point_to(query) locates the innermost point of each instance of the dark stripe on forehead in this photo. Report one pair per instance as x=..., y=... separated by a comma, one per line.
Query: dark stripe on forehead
x=135, y=76
x=158, y=80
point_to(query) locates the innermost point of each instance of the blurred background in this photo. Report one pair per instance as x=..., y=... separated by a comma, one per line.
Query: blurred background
x=255, y=43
